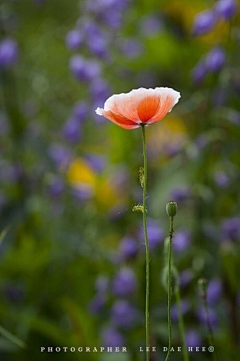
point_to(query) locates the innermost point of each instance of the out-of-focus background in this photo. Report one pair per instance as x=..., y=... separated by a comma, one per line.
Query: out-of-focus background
x=72, y=250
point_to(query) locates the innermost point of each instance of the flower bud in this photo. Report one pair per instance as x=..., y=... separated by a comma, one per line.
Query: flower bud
x=171, y=208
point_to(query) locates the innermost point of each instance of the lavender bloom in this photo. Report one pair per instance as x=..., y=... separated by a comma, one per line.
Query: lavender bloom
x=84, y=70
x=156, y=234
x=96, y=162
x=101, y=284
x=14, y=293
x=83, y=192
x=202, y=317
x=99, y=90
x=132, y=48
x=226, y=8
x=180, y=194
x=231, y=229
x=185, y=278
x=71, y=130
x=123, y=314
x=221, y=179
x=128, y=248
x=112, y=338
x=97, y=43
x=55, y=187
x=215, y=59
x=125, y=283
x=8, y=52
x=60, y=155
x=97, y=304
x=80, y=111
x=112, y=18
x=11, y=172
x=74, y=39
x=199, y=72
x=151, y=25
x=214, y=291
x=181, y=240
x=193, y=339
x=174, y=311
x=204, y=22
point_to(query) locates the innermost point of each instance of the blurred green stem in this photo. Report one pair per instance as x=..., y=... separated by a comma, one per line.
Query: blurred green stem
x=146, y=239
x=210, y=331
x=181, y=322
x=170, y=287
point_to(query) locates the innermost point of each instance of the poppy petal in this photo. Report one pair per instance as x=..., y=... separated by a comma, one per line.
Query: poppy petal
x=167, y=99
x=118, y=119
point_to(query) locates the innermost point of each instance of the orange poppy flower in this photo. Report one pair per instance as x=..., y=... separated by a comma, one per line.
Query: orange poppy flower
x=139, y=106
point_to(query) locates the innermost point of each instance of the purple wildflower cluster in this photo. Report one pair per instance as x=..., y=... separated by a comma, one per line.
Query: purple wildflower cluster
x=204, y=23
x=93, y=41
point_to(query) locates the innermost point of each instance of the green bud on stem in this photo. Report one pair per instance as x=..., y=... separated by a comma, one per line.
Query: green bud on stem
x=171, y=208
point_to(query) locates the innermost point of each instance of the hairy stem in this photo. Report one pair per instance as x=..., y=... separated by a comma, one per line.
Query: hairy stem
x=170, y=288
x=146, y=240
x=181, y=323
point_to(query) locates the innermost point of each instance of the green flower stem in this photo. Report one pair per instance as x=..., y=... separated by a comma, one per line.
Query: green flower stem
x=181, y=323
x=210, y=331
x=170, y=288
x=146, y=239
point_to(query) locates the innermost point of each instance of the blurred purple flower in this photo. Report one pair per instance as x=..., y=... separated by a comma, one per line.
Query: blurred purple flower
x=155, y=234
x=132, y=48
x=204, y=22
x=185, y=278
x=72, y=130
x=83, y=69
x=9, y=52
x=55, y=187
x=74, y=39
x=151, y=25
x=97, y=304
x=202, y=317
x=214, y=291
x=11, y=173
x=60, y=155
x=226, y=8
x=128, y=248
x=96, y=161
x=112, y=338
x=80, y=111
x=102, y=284
x=231, y=229
x=83, y=192
x=99, y=90
x=221, y=179
x=199, y=72
x=112, y=18
x=14, y=293
x=215, y=59
x=98, y=44
x=174, y=311
x=124, y=283
x=181, y=240
x=180, y=194
x=123, y=314
x=193, y=339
